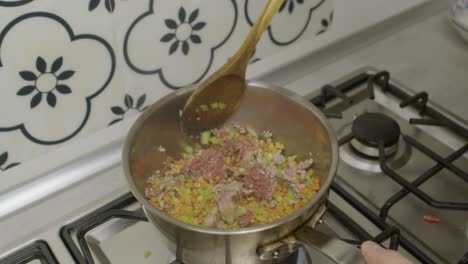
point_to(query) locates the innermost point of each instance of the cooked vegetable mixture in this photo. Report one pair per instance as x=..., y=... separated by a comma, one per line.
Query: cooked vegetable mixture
x=232, y=178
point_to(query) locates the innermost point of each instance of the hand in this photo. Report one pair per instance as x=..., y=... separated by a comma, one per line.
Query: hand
x=375, y=254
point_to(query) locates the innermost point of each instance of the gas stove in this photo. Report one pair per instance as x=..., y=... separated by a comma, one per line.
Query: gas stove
x=402, y=181
x=403, y=160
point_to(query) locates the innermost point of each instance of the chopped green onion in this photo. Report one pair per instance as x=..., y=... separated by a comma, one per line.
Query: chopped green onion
x=185, y=193
x=310, y=172
x=291, y=195
x=278, y=197
x=214, y=105
x=240, y=211
x=204, y=107
x=279, y=145
x=256, y=209
x=310, y=195
x=147, y=253
x=267, y=157
x=205, y=137
x=185, y=219
x=291, y=158
x=185, y=190
x=172, y=195
x=278, y=173
x=207, y=192
x=187, y=149
x=214, y=140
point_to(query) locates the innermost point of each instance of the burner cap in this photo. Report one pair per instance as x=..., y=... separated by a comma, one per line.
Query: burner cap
x=370, y=128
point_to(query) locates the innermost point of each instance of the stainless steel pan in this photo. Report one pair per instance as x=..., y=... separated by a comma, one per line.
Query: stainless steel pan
x=297, y=123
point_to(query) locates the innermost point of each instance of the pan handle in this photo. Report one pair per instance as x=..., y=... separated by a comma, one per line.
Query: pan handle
x=337, y=250
x=313, y=241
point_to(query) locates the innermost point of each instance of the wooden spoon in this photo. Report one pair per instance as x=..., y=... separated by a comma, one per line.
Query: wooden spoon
x=215, y=99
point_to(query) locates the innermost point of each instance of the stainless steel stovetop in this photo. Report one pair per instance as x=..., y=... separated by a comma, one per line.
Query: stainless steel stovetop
x=412, y=198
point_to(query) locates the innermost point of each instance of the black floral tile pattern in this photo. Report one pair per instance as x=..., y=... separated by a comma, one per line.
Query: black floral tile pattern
x=290, y=4
x=46, y=82
x=293, y=8
x=45, y=78
x=128, y=106
x=183, y=32
x=178, y=33
x=108, y=4
x=4, y=165
x=58, y=61
x=326, y=22
x=14, y=3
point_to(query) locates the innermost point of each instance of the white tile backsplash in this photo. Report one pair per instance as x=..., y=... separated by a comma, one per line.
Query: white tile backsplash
x=70, y=68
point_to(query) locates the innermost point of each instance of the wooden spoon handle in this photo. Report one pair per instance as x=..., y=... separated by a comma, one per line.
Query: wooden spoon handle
x=242, y=56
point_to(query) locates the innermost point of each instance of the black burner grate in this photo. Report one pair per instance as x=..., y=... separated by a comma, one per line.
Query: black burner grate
x=78, y=229
x=429, y=116
x=38, y=250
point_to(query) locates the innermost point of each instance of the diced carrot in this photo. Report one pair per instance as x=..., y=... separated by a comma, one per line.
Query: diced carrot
x=315, y=186
x=203, y=184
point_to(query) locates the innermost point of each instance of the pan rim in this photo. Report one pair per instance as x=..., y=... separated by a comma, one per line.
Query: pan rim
x=245, y=230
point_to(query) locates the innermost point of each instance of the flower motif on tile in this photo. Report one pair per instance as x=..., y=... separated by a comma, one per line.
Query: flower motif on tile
x=129, y=108
x=46, y=82
x=326, y=22
x=292, y=20
x=193, y=34
x=290, y=4
x=4, y=165
x=108, y=4
x=183, y=32
x=253, y=58
x=51, y=87
x=12, y=3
